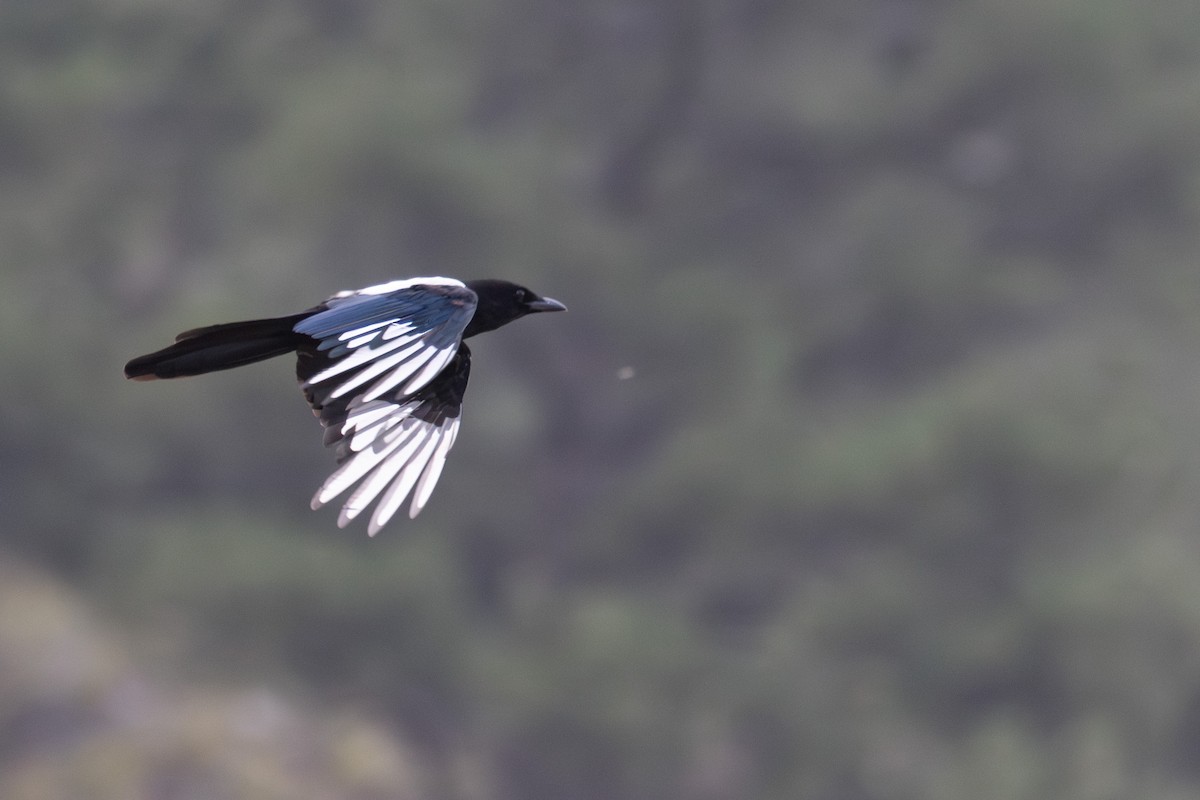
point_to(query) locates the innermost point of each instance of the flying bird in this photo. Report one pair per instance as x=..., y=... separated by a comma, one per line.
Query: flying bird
x=384, y=369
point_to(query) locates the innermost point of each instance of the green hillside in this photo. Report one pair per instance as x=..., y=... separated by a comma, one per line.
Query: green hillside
x=865, y=466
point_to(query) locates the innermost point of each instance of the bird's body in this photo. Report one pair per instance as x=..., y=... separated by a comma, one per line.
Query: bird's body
x=384, y=369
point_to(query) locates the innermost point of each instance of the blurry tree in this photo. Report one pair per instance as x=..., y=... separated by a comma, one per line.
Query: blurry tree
x=864, y=465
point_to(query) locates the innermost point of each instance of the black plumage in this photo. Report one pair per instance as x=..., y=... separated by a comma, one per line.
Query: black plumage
x=384, y=369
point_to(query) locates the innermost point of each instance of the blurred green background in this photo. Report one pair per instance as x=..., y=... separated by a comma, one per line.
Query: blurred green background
x=865, y=466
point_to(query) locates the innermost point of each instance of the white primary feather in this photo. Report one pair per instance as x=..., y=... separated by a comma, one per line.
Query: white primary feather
x=403, y=482
x=357, y=358
x=361, y=340
x=395, y=329
x=367, y=331
x=375, y=431
x=436, y=364
x=402, y=373
x=385, y=362
x=395, y=456
x=353, y=469
x=360, y=416
x=376, y=436
x=433, y=471
x=384, y=473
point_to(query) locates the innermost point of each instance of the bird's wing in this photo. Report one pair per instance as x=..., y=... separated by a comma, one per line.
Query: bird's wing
x=396, y=335
x=386, y=376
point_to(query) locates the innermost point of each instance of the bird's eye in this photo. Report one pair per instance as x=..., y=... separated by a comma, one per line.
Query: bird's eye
x=522, y=295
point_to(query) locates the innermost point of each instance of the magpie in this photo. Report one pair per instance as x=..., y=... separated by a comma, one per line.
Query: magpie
x=384, y=369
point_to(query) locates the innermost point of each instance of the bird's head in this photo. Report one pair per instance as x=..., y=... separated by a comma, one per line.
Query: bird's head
x=501, y=302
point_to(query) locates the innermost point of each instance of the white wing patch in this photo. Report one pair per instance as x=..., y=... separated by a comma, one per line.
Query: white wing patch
x=399, y=355
x=394, y=453
x=404, y=354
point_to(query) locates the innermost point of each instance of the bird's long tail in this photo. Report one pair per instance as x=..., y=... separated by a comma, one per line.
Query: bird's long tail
x=217, y=347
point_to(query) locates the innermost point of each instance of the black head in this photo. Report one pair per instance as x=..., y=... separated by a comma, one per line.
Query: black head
x=500, y=302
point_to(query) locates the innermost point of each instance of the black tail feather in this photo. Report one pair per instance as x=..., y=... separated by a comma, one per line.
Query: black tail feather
x=218, y=347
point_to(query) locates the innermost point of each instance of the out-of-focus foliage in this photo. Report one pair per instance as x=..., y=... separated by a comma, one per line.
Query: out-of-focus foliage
x=80, y=720
x=864, y=465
